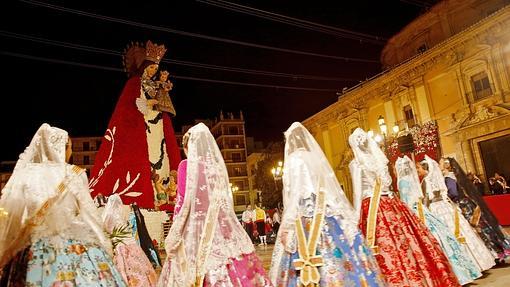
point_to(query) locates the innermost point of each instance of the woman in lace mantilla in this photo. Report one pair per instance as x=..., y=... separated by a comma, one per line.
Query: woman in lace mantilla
x=206, y=245
x=407, y=253
x=476, y=211
x=435, y=190
x=318, y=240
x=409, y=188
x=51, y=234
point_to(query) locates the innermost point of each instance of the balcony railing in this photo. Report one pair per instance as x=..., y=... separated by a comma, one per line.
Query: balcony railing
x=227, y=133
x=231, y=146
x=235, y=174
x=80, y=149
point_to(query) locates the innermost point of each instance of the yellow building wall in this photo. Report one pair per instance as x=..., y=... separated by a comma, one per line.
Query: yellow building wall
x=423, y=104
x=445, y=94
x=374, y=111
x=437, y=85
x=336, y=138
x=390, y=117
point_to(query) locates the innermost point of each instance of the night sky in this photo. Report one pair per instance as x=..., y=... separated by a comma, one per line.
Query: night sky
x=81, y=99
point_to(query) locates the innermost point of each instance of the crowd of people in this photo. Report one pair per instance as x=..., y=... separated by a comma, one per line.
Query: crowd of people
x=496, y=184
x=435, y=231
x=260, y=224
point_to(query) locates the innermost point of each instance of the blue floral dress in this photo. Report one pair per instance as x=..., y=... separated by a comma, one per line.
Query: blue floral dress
x=345, y=264
x=462, y=263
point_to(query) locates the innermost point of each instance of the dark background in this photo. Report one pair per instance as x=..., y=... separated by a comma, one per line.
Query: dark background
x=81, y=99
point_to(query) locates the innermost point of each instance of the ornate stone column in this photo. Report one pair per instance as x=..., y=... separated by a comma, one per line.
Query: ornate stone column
x=467, y=155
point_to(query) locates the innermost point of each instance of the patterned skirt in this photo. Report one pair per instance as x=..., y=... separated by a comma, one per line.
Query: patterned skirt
x=409, y=255
x=134, y=266
x=492, y=235
x=72, y=263
x=345, y=264
x=244, y=271
x=462, y=262
x=445, y=211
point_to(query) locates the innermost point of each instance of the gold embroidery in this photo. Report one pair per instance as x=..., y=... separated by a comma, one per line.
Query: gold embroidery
x=61, y=187
x=61, y=276
x=421, y=214
x=475, y=219
x=103, y=266
x=70, y=275
x=372, y=216
x=3, y=213
x=459, y=237
x=308, y=262
x=77, y=169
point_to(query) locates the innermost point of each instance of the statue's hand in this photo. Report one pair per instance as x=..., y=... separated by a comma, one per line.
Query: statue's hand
x=151, y=103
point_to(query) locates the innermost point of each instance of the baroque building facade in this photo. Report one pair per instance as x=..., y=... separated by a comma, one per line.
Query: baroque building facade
x=451, y=65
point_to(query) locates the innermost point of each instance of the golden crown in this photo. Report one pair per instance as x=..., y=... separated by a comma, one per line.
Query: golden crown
x=154, y=52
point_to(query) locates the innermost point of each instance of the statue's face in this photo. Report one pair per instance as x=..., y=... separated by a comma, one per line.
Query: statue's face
x=163, y=77
x=151, y=70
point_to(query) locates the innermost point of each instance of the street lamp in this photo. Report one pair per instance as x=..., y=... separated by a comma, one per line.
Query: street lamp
x=384, y=130
x=233, y=187
x=396, y=129
x=277, y=171
x=382, y=125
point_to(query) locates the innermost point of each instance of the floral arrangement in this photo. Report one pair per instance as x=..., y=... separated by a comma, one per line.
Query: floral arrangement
x=425, y=139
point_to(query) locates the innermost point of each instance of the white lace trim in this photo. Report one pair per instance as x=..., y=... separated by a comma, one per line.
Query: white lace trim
x=222, y=251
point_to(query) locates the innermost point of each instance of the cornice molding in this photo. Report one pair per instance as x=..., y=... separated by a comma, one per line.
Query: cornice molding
x=489, y=31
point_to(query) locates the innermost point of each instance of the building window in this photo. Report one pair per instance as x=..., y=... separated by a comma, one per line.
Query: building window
x=234, y=144
x=408, y=112
x=86, y=160
x=239, y=184
x=86, y=146
x=236, y=156
x=231, y=130
x=240, y=199
x=481, y=86
x=98, y=144
x=238, y=171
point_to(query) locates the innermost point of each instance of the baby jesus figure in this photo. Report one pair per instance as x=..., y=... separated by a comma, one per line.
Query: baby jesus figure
x=164, y=86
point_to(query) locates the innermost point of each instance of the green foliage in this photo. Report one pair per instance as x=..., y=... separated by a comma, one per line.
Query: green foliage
x=119, y=234
x=271, y=189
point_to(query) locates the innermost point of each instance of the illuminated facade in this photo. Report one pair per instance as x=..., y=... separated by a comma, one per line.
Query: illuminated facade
x=450, y=65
